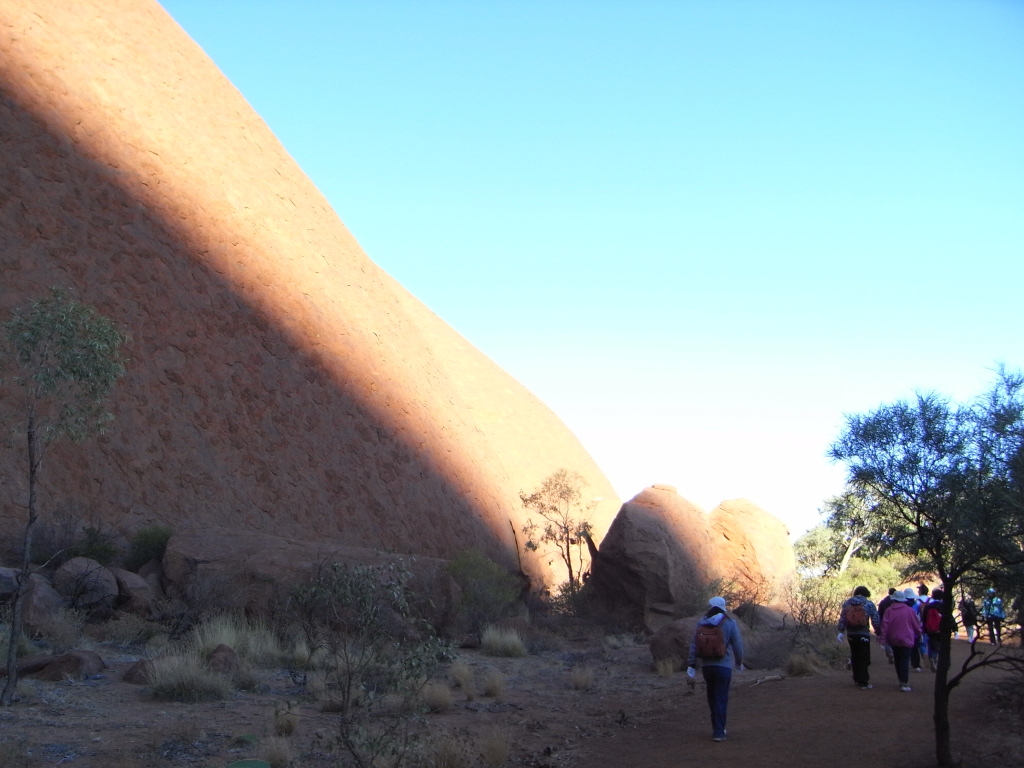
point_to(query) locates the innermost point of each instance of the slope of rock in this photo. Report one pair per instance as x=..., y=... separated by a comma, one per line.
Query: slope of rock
x=280, y=383
x=754, y=548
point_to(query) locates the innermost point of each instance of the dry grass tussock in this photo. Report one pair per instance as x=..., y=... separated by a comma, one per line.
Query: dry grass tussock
x=129, y=629
x=449, y=750
x=464, y=679
x=278, y=752
x=665, y=667
x=286, y=718
x=62, y=629
x=803, y=664
x=496, y=641
x=582, y=678
x=495, y=747
x=183, y=676
x=437, y=697
x=252, y=640
x=494, y=684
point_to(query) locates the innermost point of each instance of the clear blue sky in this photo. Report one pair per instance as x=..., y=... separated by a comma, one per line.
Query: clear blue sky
x=700, y=232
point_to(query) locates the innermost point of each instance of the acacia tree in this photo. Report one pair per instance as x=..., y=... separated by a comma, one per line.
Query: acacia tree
x=66, y=358
x=947, y=479
x=559, y=504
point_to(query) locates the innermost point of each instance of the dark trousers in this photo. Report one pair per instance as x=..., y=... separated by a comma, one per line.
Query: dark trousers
x=860, y=657
x=915, y=657
x=901, y=660
x=995, y=630
x=933, y=646
x=717, y=680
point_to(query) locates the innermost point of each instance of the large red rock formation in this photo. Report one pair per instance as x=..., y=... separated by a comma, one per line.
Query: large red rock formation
x=280, y=382
x=662, y=555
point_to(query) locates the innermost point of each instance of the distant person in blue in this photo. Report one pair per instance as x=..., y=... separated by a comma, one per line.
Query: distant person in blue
x=718, y=647
x=993, y=613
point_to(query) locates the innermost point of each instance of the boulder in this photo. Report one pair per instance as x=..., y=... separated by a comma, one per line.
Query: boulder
x=280, y=382
x=753, y=551
x=658, y=550
x=139, y=673
x=86, y=584
x=244, y=570
x=8, y=583
x=153, y=573
x=73, y=665
x=223, y=660
x=42, y=602
x=672, y=642
x=134, y=593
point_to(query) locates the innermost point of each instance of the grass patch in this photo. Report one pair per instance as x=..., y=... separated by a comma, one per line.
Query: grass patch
x=464, y=679
x=496, y=641
x=278, y=752
x=802, y=665
x=184, y=677
x=495, y=747
x=62, y=629
x=251, y=640
x=437, y=697
x=129, y=629
x=286, y=719
x=582, y=678
x=494, y=684
x=665, y=667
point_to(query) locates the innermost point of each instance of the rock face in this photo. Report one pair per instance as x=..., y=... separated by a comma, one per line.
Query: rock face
x=662, y=554
x=756, y=548
x=280, y=382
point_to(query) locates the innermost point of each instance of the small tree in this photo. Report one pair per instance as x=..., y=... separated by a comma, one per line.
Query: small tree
x=559, y=503
x=67, y=358
x=949, y=481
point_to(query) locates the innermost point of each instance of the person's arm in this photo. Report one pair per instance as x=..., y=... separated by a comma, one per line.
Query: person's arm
x=876, y=620
x=841, y=624
x=736, y=640
x=691, y=661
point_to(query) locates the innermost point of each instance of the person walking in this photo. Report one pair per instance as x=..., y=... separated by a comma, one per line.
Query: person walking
x=993, y=613
x=915, y=653
x=856, y=619
x=968, y=616
x=883, y=604
x=931, y=625
x=901, y=631
x=718, y=647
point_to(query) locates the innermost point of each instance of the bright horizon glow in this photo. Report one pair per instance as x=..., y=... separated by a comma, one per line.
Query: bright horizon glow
x=701, y=233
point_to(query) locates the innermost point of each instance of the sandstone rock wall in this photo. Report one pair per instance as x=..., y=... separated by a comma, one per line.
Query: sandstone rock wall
x=280, y=382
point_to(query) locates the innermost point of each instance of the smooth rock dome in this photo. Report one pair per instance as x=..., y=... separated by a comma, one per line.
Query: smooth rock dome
x=280, y=382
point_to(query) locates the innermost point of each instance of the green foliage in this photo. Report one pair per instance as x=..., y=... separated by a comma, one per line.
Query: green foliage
x=489, y=592
x=379, y=655
x=559, y=504
x=148, y=543
x=95, y=545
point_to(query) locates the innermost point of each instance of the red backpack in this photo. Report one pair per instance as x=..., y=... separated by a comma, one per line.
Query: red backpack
x=932, y=618
x=855, y=615
x=710, y=642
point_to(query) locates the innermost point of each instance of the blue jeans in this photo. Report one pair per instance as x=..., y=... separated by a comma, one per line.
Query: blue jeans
x=717, y=680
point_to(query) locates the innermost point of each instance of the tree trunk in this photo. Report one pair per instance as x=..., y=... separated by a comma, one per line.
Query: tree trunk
x=7, y=697
x=940, y=712
x=851, y=550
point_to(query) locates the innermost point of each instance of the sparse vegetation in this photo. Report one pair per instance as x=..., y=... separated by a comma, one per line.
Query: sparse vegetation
x=582, y=678
x=464, y=679
x=62, y=629
x=489, y=592
x=252, y=640
x=129, y=629
x=494, y=684
x=495, y=746
x=499, y=641
x=148, y=543
x=437, y=697
x=184, y=677
x=278, y=752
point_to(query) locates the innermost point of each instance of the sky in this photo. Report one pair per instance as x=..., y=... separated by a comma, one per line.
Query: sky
x=702, y=233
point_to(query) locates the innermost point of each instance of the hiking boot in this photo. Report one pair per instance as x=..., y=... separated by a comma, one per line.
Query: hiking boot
x=718, y=738
x=917, y=669
x=866, y=687
x=905, y=688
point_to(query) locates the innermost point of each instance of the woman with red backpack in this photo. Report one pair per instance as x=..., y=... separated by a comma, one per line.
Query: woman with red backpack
x=931, y=625
x=718, y=646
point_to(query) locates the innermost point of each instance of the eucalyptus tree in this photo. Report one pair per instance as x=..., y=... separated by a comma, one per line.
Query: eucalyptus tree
x=947, y=484
x=65, y=359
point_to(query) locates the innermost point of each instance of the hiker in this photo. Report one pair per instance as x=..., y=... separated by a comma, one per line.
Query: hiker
x=992, y=613
x=856, y=619
x=921, y=601
x=968, y=616
x=884, y=603
x=901, y=631
x=718, y=646
x=931, y=625
x=915, y=653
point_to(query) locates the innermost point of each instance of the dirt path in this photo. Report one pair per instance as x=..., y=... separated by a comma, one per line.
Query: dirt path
x=815, y=721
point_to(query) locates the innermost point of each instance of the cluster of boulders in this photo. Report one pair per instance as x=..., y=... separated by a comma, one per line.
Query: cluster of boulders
x=85, y=584
x=662, y=554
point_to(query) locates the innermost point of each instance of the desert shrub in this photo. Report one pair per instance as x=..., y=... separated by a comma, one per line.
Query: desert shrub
x=278, y=752
x=448, y=750
x=94, y=544
x=496, y=641
x=129, y=629
x=464, y=679
x=489, y=592
x=494, y=684
x=665, y=667
x=582, y=678
x=25, y=647
x=814, y=604
x=437, y=697
x=802, y=665
x=286, y=718
x=184, y=677
x=495, y=747
x=148, y=543
x=62, y=629
x=378, y=655
x=249, y=638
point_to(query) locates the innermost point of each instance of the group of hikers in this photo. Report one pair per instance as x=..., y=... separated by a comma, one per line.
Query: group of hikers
x=908, y=626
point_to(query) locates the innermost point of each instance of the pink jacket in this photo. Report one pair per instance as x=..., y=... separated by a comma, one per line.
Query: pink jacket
x=900, y=626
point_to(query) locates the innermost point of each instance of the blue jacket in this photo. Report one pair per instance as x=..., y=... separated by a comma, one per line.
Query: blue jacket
x=733, y=643
x=869, y=609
